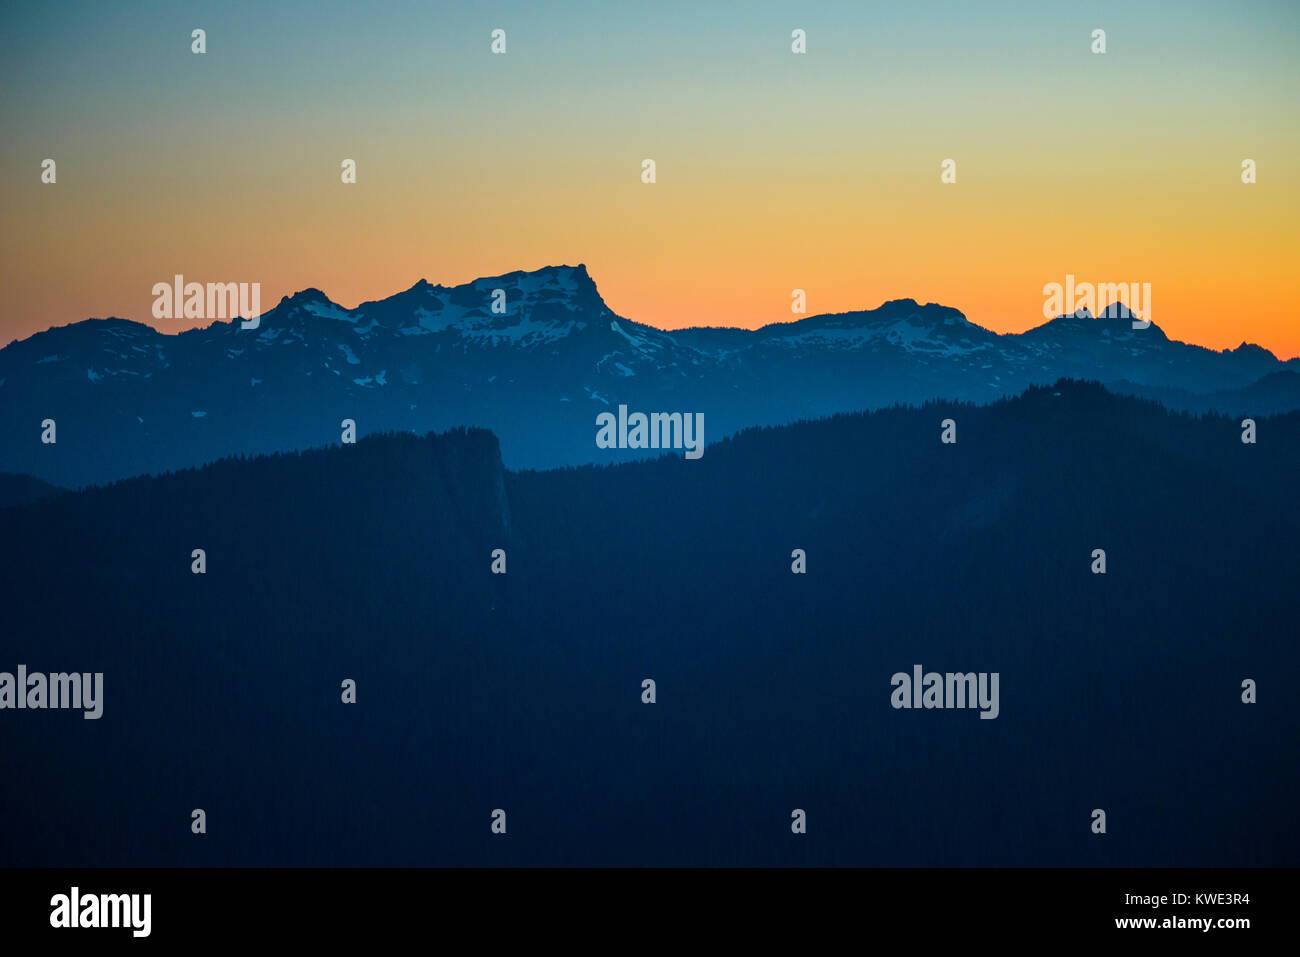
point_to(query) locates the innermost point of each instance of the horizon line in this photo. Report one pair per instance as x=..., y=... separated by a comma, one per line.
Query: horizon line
x=1082, y=314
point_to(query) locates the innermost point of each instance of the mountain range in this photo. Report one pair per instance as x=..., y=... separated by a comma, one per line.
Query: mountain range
x=127, y=399
x=523, y=690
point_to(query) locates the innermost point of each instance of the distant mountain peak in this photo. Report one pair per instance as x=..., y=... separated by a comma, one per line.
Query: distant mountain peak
x=1112, y=321
x=314, y=302
x=575, y=277
x=1251, y=349
x=1117, y=310
x=304, y=296
x=930, y=310
x=571, y=286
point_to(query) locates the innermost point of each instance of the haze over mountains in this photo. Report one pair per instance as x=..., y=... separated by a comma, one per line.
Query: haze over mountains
x=523, y=690
x=129, y=400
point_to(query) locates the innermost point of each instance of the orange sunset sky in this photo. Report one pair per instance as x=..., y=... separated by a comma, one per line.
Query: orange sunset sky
x=775, y=171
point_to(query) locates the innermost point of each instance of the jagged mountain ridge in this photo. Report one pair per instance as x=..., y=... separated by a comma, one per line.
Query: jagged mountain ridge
x=128, y=399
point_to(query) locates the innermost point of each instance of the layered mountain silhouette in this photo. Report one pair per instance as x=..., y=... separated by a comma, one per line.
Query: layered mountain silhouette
x=21, y=489
x=128, y=400
x=523, y=690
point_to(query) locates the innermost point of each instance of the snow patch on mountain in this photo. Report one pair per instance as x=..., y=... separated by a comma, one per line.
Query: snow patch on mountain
x=328, y=310
x=642, y=344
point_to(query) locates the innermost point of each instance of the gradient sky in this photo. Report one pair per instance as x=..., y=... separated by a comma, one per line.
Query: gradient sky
x=775, y=171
